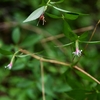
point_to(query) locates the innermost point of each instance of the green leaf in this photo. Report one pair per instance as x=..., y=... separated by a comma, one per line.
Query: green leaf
x=36, y=14
x=5, y=52
x=65, y=44
x=60, y=1
x=75, y=13
x=5, y=98
x=42, y=3
x=62, y=10
x=53, y=16
x=48, y=84
x=71, y=16
x=14, y=91
x=68, y=12
x=84, y=35
x=62, y=88
x=30, y=92
x=93, y=96
x=20, y=64
x=16, y=35
x=92, y=42
x=31, y=40
x=68, y=32
x=77, y=94
x=23, y=95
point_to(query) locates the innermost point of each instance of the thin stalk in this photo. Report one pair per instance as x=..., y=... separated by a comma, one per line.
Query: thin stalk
x=12, y=60
x=48, y=2
x=92, y=34
x=84, y=72
x=42, y=80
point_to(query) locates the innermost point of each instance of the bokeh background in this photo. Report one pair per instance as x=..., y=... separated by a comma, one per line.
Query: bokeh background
x=23, y=81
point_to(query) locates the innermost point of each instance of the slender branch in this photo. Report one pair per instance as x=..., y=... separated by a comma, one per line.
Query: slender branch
x=58, y=62
x=43, y=59
x=92, y=34
x=62, y=35
x=38, y=30
x=84, y=72
x=42, y=80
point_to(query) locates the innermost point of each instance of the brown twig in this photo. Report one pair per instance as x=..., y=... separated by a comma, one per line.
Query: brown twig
x=6, y=25
x=42, y=80
x=58, y=62
x=43, y=59
x=62, y=35
x=92, y=34
x=84, y=72
x=38, y=30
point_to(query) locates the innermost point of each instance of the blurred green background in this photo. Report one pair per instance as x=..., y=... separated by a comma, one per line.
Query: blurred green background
x=23, y=81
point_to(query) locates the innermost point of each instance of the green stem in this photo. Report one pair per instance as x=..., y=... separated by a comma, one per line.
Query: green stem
x=76, y=44
x=14, y=56
x=48, y=2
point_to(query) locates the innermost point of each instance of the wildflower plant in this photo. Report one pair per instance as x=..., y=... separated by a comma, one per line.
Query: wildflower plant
x=9, y=66
x=75, y=41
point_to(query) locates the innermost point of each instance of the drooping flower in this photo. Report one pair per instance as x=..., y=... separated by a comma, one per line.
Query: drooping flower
x=41, y=18
x=9, y=66
x=77, y=52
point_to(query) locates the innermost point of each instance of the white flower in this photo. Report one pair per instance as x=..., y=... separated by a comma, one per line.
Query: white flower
x=9, y=66
x=77, y=52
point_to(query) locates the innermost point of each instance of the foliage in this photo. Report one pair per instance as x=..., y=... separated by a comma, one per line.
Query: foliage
x=61, y=82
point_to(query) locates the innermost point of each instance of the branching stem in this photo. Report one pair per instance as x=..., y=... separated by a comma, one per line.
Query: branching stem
x=58, y=62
